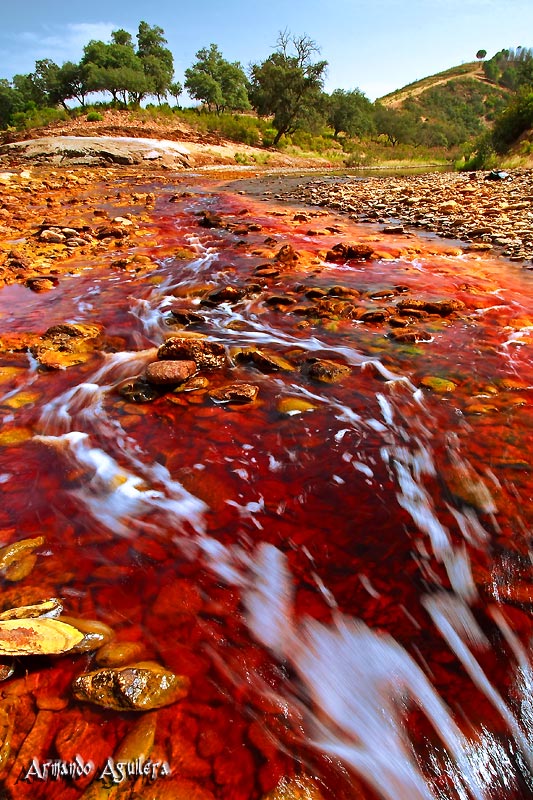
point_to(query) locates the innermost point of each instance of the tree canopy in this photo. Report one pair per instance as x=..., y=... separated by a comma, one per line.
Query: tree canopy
x=350, y=113
x=216, y=82
x=288, y=84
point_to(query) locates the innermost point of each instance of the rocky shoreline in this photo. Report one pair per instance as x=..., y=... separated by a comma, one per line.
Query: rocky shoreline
x=488, y=215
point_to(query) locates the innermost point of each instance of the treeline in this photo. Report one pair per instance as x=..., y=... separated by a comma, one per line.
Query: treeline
x=287, y=89
x=512, y=68
x=287, y=86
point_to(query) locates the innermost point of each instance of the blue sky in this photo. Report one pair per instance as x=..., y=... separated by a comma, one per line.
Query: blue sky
x=373, y=45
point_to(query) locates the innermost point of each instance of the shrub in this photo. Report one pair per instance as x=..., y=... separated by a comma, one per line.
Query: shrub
x=38, y=117
x=242, y=158
x=94, y=116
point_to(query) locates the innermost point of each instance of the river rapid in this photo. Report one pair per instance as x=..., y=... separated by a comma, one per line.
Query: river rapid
x=342, y=567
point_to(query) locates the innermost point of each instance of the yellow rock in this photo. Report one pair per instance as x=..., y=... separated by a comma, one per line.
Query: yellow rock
x=118, y=654
x=25, y=637
x=7, y=373
x=438, y=385
x=54, y=360
x=14, y=436
x=12, y=553
x=301, y=787
x=294, y=405
x=48, y=608
x=139, y=741
x=20, y=569
x=95, y=633
x=21, y=399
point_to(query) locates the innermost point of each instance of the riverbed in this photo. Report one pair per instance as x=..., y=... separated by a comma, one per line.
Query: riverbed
x=335, y=560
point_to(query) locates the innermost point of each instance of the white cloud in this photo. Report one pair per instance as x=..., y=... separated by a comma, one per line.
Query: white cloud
x=18, y=52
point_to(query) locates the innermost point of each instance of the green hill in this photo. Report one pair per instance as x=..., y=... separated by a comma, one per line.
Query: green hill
x=459, y=102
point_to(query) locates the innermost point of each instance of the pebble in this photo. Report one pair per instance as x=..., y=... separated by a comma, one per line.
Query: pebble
x=119, y=654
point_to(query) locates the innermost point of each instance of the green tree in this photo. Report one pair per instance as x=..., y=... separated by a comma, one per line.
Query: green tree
x=350, y=113
x=175, y=90
x=218, y=83
x=11, y=101
x=72, y=83
x=114, y=68
x=156, y=60
x=513, y=122
x=400, y=127
x=481, y=54
x=288, y=84
x=129, y=74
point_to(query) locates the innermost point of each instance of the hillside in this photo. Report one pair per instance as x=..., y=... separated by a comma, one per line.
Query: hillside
x=460, y=100
x=396, y=98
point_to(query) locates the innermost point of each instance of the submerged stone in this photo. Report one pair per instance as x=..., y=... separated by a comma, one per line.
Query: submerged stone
x=139, y=687
x=95, y=633
x=265, y=362
x=326, y=371
x=119, y=654
x=138, y=391
x=13, y=553
x=169, y=373
x=294, y=405
x=194, y=384
x=235, y=393
x=438, y=385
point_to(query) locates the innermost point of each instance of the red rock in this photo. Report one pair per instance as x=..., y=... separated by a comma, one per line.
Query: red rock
x=235, y=393
x=204, y=352
x=169, y=373
x=343, y=252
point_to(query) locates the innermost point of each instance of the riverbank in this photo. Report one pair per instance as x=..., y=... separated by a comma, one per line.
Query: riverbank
x=487, y=215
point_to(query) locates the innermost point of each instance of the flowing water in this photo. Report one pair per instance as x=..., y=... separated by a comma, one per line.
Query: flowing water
x=345, y=578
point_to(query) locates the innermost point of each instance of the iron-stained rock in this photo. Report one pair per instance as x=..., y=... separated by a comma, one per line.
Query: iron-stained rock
x=326, y=371
x=344, y=252
x=169, y=373
x=138, y=687
x=139, y=391
x=205, y=353
x=235, y=393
